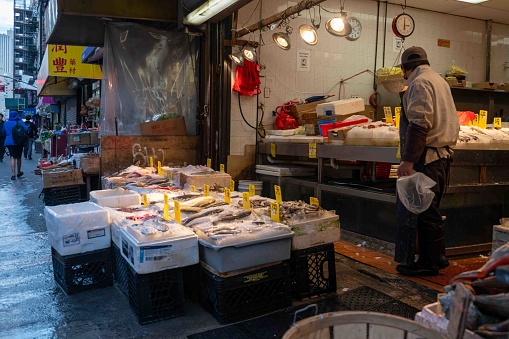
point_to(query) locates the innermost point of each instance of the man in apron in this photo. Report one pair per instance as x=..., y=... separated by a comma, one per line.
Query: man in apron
x=429, y=128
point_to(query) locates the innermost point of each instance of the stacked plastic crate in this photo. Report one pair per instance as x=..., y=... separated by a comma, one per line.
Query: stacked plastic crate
x=80, y=237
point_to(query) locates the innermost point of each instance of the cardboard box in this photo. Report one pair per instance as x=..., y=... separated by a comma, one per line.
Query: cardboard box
x=94, y=138
x=456, y=83
x=503, y=87
x=90, y=164
x=79, y=138
x=57, y=178
x=485, y=85
x=305, y=107
x=174, y=126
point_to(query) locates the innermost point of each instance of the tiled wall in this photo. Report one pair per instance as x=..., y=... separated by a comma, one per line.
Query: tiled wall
x=334, y=58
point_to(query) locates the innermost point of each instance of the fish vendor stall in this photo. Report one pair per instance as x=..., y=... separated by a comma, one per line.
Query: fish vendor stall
x=162, y=233
x=354, y=174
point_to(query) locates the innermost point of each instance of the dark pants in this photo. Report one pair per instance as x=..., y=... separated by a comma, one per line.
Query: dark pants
x=2, y=149
x=27, y=148
x=428, y=225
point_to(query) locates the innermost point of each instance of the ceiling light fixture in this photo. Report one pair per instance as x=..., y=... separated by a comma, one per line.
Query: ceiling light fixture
x=206, y=11
x=473, y=1
x=308, y=34
x=249, y=53
x=282, y=39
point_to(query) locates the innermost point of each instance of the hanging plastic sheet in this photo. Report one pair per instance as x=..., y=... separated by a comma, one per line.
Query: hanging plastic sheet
x=147, y=73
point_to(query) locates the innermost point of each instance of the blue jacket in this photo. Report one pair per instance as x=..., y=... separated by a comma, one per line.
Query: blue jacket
x=8, y=125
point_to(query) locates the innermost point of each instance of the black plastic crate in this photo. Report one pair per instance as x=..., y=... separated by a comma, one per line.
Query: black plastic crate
x=62, y=195
x=191, y=276
x=156, y=296
x=120, y=270
x=247, y=295
x=313, y=271
x=82, y=272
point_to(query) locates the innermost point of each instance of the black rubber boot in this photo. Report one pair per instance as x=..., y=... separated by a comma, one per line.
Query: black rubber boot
x=406, y=234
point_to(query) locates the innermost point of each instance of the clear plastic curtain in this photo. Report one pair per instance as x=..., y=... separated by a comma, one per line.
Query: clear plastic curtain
x=146, y=72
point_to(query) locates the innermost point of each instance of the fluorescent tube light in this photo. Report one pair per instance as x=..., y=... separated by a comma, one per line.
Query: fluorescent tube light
x=207, y=11
x=473, y=1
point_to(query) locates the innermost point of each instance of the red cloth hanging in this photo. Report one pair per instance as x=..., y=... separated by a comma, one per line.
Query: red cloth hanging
x=247, y=79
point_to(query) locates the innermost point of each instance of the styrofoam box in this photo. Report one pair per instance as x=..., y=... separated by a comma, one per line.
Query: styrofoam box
x=77, y=228
x=341, y=107
x=159, y=255
x=116, y=237
x=246, y=254
x=115, y=198
x=316, y=232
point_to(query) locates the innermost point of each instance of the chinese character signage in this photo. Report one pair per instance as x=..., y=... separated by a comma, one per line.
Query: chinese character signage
x=65, y=60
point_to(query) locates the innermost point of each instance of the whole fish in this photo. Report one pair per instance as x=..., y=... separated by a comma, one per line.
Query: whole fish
x=232, y=216
x=201, y=201
x=203, y=213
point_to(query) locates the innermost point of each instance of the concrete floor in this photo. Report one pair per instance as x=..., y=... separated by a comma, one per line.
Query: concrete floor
x=32, y=306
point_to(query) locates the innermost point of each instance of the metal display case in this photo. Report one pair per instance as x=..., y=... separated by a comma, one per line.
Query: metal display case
x=477, y=197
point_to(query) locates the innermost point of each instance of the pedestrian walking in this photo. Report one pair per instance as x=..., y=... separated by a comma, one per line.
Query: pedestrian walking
x=32, y=133
x=15, y=148
x=2, y=138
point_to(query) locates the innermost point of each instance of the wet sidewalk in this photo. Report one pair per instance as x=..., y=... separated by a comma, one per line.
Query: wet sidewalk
x=32, y=306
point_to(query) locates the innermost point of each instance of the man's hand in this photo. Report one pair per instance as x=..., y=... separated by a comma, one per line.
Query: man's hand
x=405, y=168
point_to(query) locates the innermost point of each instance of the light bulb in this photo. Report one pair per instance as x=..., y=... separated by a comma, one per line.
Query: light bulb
x=308, y=34
x=337, y=24
x=282, y=40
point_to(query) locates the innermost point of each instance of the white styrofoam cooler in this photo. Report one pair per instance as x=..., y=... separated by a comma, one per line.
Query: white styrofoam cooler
x=246, y=254
x=77, y=228
x=159, y=255
x=315, y=232
x=115, y=198
x=341, y=107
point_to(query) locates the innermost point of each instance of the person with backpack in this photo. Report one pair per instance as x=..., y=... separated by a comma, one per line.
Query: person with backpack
x=2, y=138
x=32, y=132
x=16, y=134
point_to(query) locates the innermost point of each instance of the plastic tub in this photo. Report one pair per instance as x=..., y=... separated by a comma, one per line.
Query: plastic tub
x=115, y=198
x=247, y=254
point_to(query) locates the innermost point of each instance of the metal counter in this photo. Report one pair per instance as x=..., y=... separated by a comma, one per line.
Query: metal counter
x=478, y=195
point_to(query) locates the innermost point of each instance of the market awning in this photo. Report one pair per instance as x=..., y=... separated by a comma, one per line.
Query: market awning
x=82, y=22
x=62, y=64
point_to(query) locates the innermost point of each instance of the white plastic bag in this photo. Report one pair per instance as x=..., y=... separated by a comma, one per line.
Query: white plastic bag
x=414, y=192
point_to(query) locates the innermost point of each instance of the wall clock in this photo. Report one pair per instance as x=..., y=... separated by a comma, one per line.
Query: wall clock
x=356, y=29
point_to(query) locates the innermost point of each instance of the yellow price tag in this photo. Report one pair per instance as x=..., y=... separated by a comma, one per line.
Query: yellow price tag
x=166, y=200
x=159, y=168
x=206, y=190
x=483, y=118
x=176, y=209
x=232, y=185
x=227, y=196
x=312, y=150
x=252, y=190
x=145, y=200
x=221, y=168
x=277, y=192
x=151, y=162
x=246, y=203
x=209, y=163
x=165, y=209
x=171, y=175
x=398, y=152
x=476, y=120
x=397, y=113
x=273, y=150
x=313, y=201
x=497, y=123
x=193, y=188
x=388, y=114
x=274, y=211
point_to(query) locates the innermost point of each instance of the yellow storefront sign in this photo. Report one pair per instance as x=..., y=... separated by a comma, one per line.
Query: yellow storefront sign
x=65, y=60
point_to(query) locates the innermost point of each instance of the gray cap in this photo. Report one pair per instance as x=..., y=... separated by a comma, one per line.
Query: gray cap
x=413, y=54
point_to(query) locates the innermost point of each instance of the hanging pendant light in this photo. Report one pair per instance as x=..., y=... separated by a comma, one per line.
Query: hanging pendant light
x=237, y=58
x=339, y=26
x=308, y=34
x=282, y=40
x=249, y=53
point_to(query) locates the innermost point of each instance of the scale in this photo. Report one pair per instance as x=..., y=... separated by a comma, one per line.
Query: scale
x=403, y=24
